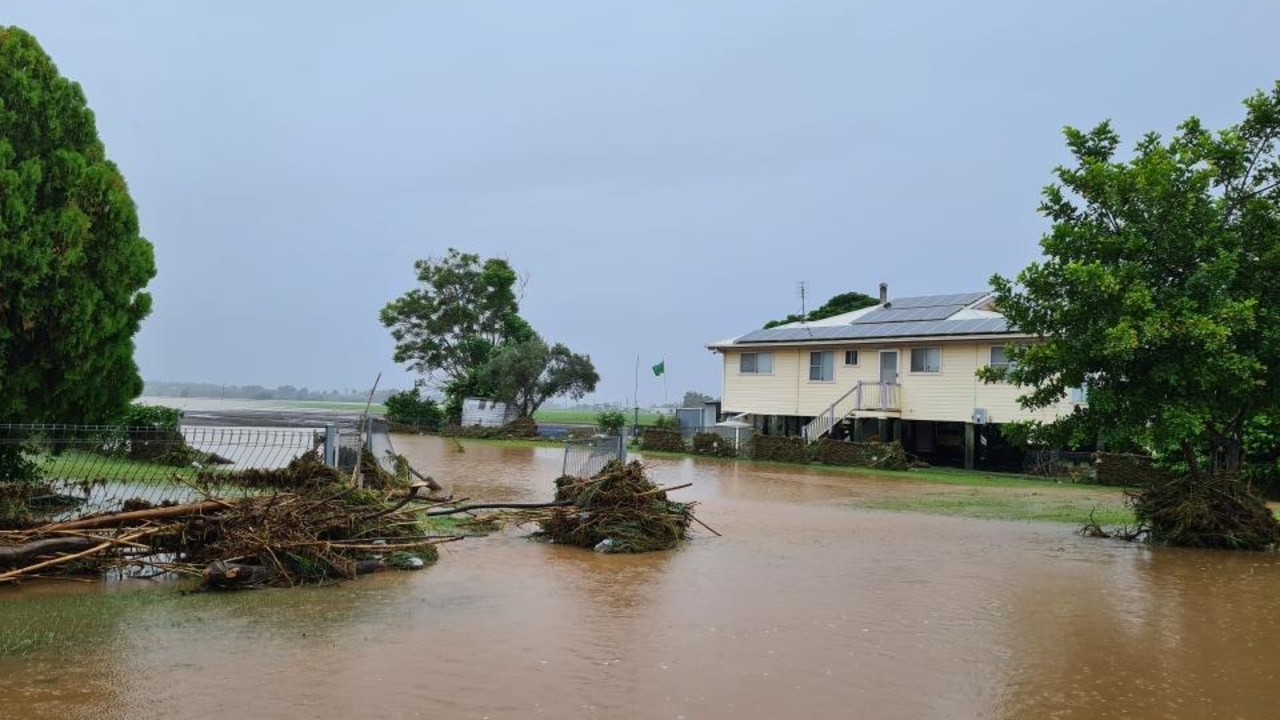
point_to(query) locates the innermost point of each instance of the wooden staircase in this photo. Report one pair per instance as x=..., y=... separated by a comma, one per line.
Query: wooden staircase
x=882, y=397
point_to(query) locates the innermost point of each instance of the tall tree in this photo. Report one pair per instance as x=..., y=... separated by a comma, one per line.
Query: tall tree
x=1160, y=291
x=693, y=398
x=72, y=262
x=527, y=374
x=463, y=308
x=837, y=305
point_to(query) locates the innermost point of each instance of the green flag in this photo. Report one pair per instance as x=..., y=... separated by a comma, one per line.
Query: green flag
x=660, y=368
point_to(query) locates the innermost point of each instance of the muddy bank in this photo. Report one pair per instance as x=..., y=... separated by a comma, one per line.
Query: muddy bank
x=807, y=607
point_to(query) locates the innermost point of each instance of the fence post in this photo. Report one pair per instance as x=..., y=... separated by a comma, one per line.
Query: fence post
x=331, y=445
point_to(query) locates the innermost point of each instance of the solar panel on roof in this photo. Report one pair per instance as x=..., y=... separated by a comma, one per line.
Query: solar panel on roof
x=937, y=300
x=867, y=331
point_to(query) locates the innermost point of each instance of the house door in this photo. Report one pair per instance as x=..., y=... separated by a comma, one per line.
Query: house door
x=888, y=366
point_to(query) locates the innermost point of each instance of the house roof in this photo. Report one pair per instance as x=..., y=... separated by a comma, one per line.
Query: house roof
x=921, y=316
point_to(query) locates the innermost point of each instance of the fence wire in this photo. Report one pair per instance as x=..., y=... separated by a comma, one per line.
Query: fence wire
x=584, y=458
x=83, y=469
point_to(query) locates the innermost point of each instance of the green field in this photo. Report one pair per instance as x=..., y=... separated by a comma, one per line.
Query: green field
x=587, y=417
x=355, y=407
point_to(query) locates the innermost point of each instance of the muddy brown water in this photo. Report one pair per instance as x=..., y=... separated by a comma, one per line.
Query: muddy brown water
x=807, y=608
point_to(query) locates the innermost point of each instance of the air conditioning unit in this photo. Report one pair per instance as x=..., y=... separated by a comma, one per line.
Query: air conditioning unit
x=979, y=416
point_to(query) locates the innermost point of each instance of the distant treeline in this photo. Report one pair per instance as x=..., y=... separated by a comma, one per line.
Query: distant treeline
x=257, y=392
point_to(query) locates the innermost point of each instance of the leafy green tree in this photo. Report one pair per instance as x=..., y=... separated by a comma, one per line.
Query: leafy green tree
x=611, y=422
x=1159, y=289
x=526, y=374
x=72, y=263
x=409, y=407
x=448, y=327
x=837, y=305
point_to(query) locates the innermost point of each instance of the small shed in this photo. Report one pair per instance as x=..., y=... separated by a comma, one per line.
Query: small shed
x=486, y=413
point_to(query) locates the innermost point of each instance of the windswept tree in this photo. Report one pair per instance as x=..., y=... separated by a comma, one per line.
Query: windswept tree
x=461, y=326
x=527, y=374
x=448, y=327
x=72, y=262
x=1160, y=293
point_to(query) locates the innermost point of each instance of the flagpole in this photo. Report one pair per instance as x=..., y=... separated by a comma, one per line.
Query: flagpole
x=664, y=381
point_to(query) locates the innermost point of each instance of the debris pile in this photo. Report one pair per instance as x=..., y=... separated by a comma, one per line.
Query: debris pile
x=313, y=527
x=617, y=510
x=1205, y=511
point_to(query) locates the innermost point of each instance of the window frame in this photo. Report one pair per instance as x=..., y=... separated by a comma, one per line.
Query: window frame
x=911, y=360
x=756, y=371
x=1008, y=363
x=856, y=357
x=822, y=367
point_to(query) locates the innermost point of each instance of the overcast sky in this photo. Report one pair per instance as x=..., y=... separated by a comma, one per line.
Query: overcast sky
x=664, y=172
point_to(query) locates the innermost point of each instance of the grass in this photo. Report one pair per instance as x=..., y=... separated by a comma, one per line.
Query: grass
x=374, y=409
x=79, y=465
x=587, y=417
x=987, y=503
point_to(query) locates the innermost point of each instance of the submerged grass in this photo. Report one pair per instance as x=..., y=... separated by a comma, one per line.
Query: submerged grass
x=990, y=504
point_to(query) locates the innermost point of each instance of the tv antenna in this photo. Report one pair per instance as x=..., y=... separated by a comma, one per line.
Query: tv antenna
x=804, y=312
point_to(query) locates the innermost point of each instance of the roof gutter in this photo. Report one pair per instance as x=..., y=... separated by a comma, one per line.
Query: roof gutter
x=718, y=347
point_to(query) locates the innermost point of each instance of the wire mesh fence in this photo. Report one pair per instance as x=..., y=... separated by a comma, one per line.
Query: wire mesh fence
x=584, y=458
x=62, y=471
x=1078, y=466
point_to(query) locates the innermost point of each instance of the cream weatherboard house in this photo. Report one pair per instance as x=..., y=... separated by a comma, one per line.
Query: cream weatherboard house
x=904, y=369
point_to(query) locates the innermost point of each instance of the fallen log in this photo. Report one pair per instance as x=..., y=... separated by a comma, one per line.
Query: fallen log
x=63, y=559
x=430, y=481
x=33, y=552
x=159, y=513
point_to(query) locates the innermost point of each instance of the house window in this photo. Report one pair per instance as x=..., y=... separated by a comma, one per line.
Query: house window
x=850, y=358
x=756, y=363
x=1000, y=358
x=926, y=360
x=822, y=366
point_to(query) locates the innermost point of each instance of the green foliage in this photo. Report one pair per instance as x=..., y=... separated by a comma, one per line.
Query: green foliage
x=462, y=324
x=463, y=308
x=137, y=415
x=72, y=264
x=611, y=422
x=665, y=422
x=1158, y=290
x=837, y=305
x=409, y=407
x=695, y=399
x=525, y=374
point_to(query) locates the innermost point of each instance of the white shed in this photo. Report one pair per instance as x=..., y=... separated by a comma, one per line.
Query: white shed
x=486, y=413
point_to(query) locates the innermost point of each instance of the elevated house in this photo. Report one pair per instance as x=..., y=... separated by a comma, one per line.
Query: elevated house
x=904, y=370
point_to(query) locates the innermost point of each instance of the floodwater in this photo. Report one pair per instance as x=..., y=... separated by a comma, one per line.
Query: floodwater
x=807, y=608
